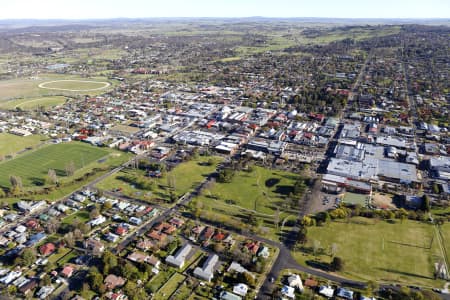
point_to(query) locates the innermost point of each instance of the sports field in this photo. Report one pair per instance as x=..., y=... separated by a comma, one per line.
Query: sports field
x=401, y=252
x=33, y=167
x=33, y=103
x=72, y=85
x=10, y=144
x=54, y=85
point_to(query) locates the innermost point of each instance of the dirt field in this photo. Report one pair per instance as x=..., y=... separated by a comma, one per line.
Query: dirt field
x=383, y=200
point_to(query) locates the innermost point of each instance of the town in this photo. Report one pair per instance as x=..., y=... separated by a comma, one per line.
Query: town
x=222, y=159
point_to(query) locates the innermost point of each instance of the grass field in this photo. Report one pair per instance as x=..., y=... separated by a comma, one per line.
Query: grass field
x=80, y=216
x=186, y=176
x=28, y=88
x=169, y=287
x=10, y=144
x=73, y=85
x=378, y=251
x=33, y=167
x=262, y=190
x=32, y=103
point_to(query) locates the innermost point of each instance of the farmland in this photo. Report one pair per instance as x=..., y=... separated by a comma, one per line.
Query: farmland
x=376, y=250
x=33, y=167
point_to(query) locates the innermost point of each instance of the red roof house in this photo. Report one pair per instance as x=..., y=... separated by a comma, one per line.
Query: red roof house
x=47, y=249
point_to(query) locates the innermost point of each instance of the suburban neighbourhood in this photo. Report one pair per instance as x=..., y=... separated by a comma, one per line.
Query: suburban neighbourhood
x=224, y=159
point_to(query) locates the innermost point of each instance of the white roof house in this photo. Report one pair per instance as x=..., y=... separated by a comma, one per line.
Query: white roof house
x=326, y=291
x=178, y=259
x=295, y=281
x=240, y=289
x=207, y=271
x=288, y=291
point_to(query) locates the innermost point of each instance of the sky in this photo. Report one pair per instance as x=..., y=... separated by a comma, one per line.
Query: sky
x=103, y=9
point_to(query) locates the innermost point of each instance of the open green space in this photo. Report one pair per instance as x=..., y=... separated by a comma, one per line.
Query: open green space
x=169, y=287
x=33, y=167
x=261, y=190
x=32, y=103
x=28, y=88
x=376, y=250
x=10, y=144
x=352, y=198
x=184, y=177
x=260, y=193
x=79, y=216
x=74, y=85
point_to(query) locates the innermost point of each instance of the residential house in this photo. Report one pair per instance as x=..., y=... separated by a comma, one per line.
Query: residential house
x=112, y=281
x=240, y=289
x=94, y=245
x=28, y=287
x=288, y=291
x=67, y=271
x=224, y=295
x=295, y=282
x=47, y=249
x=145, y=245
x=326, y=291
x=207, y=271
x=179, y=258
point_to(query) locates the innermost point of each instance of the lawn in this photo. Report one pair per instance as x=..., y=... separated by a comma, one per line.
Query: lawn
x=186, y=176
x=445, y=233
x=262, y=190
x=26, y=88
x=169, y=287
x=10, y=144
x=74, y=85
x=33, y=167
x=80, y=216
x=377, y=250
x=32, y=103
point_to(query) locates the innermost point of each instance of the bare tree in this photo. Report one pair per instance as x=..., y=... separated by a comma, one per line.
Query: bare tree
x=316, y=247
x=333, y=249
x=69, y=239
x=70, y=168
x=51, y=176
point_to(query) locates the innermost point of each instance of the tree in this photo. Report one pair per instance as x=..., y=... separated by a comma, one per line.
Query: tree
x=95, y=280
x=45, y=281
x=94, y=213
x=109, y=262
x=425, y=203
x=69, y=239
x=28, y=256
x=52, y=226
x=337, y=264
x=11, y=290
x=316, y=247
x=16, y=183
x=70, y=168
x=51, y=177
x=302, y=236
x=333, y=249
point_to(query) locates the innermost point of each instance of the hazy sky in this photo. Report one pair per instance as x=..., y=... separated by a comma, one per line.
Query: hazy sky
x=86, y=9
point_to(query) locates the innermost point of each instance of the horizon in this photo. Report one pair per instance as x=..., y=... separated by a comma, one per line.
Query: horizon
x=284, y=9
